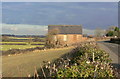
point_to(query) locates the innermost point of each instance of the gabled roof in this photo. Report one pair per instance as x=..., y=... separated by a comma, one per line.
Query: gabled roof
x=66, y=29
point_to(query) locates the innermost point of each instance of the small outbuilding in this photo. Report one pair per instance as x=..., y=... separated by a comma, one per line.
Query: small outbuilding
x=68, y=34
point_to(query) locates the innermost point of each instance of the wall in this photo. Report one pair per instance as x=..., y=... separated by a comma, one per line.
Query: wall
x=71, y=38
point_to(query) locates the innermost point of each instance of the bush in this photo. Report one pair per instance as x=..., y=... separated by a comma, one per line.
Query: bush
x=18, y=51
x=85, y=61
x=90, y=62
x=115, y=40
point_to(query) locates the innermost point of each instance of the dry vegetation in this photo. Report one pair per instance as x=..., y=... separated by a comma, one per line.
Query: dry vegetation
x=85, y=61
x=22, y=65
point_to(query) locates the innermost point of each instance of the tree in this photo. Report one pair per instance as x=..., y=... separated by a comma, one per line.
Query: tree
x=99, y=32
x=50, y=38
x=110, y=33
x=117, y=29
x=113, y=31
x=5, y=38
x=30, y=40
x=111, y=28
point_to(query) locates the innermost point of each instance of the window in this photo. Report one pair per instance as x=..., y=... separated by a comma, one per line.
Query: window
x=65, y=38
x=55, y=38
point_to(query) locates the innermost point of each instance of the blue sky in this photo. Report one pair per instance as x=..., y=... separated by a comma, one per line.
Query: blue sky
x=90, y=14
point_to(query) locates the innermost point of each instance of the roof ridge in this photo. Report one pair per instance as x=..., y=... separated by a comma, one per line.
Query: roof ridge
x=64, y=25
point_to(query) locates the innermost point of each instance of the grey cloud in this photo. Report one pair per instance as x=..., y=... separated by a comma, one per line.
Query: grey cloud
x=21, y=29
x=91, y=15
x=24, y=29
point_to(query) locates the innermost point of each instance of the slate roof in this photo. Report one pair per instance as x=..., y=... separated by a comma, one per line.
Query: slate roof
x=67, y=29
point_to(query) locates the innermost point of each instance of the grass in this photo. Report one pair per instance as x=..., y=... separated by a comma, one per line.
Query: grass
x=24, y=64
x=8, y=47
x=15, y=46
x=19, y=38
x=23, y=38
x=21, y=42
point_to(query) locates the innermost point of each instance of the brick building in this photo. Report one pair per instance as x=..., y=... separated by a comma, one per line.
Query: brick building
x=68, y=34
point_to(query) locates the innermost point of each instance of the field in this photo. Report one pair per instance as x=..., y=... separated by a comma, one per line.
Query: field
x=24, y=64
x=80, y=62
x=22, y=38
x=15, y=43
x=19, y=38
x=8, y=47
x=21, y=42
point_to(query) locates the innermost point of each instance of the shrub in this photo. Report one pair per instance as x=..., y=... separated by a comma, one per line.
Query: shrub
x=90, y=62
x=85, y=61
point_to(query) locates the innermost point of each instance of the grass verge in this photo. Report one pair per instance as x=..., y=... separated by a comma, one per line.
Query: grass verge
x=24, y=64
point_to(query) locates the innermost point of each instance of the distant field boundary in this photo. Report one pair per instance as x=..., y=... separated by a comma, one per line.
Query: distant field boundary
x=20, y=51
x=23, y=51
x=17, y=43
x=20, y=44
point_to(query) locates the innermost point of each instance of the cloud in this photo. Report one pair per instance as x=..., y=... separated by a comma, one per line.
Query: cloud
x=61, y=1
x=46, y=29
x=88, y=31
x=14, y=28
x=24, y=29
x=91, y=15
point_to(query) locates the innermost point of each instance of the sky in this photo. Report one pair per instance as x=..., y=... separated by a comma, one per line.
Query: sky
x=33, y=17
x=60, y=0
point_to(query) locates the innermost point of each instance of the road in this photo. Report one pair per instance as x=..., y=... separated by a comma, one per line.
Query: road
x=113, y=50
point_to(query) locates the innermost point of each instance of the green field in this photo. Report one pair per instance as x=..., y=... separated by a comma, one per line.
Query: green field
x=24, y=64
x=13, y=45
x=19, y=38
x=8, y=47
x=23, y=38
x=21, y=43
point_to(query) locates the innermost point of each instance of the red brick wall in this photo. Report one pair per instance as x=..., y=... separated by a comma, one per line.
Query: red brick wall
x=71, y=38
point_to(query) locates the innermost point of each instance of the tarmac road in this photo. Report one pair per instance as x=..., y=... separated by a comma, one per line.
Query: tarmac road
x=113, y=50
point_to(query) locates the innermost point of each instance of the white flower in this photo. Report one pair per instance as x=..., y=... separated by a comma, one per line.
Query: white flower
x=46, y=66
x=55, y=69
x=65, y=65
x=87, y=62
x=29, y=75
x=101, y=67
x=69, y=60
x=75, y=64
x=49, y=62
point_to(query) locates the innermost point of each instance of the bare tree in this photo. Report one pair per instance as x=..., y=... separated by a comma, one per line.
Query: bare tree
x=51, y=38
x=99, y=32
x=30, y=40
